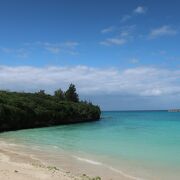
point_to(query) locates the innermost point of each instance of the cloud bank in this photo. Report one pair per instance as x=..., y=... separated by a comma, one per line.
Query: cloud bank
x=139, y=81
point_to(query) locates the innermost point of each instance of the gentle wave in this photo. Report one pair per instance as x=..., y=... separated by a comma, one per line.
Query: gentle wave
x=108, y=167
x=8, y=144
x=88, y=160
x=124, y=174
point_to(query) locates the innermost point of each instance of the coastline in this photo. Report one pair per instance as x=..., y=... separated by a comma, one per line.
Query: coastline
x=114, y=149
x=18, y=164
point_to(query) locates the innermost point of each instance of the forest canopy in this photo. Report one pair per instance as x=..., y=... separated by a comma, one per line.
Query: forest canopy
x=20, y=110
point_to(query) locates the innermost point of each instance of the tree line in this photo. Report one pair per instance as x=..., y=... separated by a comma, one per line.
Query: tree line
x=20, y=110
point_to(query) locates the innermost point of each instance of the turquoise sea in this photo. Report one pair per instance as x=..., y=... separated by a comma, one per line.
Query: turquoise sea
x=133, y=144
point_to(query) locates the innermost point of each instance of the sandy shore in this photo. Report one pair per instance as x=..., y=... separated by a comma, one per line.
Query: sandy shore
x=22, y=167
x=17, y=164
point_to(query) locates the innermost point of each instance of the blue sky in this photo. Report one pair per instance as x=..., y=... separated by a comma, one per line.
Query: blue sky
x=120, y=54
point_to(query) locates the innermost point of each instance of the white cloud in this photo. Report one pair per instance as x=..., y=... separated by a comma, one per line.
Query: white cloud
x=55, y=48
x=140, y=10
x=140, y=81
x=19, y=52
x=67, y=47
x=70, y=44
x=124, y=35
x=162, y=31
x=113, y=41
x=125, y=18
x=108, y=30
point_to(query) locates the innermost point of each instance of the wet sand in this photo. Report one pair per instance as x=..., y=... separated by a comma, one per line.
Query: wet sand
x=19, y=164
x=23, y=167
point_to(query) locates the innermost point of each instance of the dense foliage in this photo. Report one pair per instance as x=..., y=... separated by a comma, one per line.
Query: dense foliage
x=19, y=110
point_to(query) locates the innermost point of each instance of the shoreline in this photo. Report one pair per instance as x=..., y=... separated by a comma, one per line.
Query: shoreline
x=21, y=166
x=21, y=162
x=18, y=164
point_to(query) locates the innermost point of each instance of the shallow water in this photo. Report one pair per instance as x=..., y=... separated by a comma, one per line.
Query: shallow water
x=134, y=144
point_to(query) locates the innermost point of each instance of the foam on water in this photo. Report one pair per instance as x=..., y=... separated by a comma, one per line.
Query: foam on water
x=108, y=167
x=88, y=160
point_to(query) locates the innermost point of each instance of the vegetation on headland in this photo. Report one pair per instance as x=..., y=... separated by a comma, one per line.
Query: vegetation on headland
x=20, y=110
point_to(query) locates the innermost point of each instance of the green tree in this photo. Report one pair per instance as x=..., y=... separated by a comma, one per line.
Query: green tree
x=41, y=92
x=71, y=94
x=20, y=110
x=59, y=94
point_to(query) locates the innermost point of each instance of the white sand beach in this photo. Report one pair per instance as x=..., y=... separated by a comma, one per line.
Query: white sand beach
x=18, y=165
x=22, y=167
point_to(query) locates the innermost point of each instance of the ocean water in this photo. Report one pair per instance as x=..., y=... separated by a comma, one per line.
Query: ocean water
x=133, y=144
